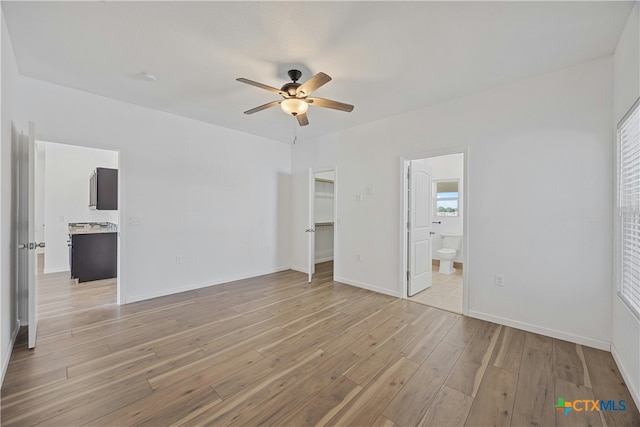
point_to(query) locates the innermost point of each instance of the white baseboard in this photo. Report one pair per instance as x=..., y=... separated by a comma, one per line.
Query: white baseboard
x=55, y=270
x=635, y=393
x=367, y=286
x=191, y=287
x=578, y=339
x=8, y=351
x=305, y=270
x=299, y=269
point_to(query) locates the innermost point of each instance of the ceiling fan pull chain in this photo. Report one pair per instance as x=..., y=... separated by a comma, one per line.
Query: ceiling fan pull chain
x=295, y=133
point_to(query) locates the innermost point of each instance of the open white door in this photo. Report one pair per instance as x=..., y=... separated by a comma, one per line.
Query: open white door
x=27, y=245
x=419, y=257
x=311, y=226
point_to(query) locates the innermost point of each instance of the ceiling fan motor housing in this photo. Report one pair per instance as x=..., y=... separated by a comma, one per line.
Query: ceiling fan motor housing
x=290, y=88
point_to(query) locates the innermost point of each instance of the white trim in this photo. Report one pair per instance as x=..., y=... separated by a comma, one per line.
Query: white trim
x=8, y=351
x=142, y=297
x=120, y=283
x=635, y=394
x=57, y=270
x=629, y=112
x=299, y=269
x=367, y=286
x=333, y=169
x=553, y=333
x=325, y=259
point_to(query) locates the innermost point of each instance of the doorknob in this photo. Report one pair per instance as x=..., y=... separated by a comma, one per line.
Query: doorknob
x=309, y=230
x=31, y=245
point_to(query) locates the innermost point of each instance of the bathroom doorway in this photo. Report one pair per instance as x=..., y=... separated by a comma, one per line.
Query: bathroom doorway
x=434, y=230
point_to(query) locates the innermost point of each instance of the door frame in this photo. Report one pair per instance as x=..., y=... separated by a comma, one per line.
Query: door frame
x=404, y=209
x=315, y=171
x=120, y=299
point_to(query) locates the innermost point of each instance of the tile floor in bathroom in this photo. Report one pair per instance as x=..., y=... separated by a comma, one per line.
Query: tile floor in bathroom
x=445, y=292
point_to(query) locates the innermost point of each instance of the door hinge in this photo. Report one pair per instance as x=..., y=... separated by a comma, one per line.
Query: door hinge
x=408, y=275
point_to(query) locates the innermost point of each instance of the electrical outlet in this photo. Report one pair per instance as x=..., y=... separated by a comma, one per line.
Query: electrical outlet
x=178, y=259
x=358, y=197
x=370, y=191
x=499, y=280
x=135, y=221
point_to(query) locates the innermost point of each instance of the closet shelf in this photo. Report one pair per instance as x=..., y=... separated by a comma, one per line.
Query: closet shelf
x=324, y=224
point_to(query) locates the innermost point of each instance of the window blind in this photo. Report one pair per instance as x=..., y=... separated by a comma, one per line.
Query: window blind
x=629, y=208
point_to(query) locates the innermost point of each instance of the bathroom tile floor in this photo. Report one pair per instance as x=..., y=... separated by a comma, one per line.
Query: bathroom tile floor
x=445, y=292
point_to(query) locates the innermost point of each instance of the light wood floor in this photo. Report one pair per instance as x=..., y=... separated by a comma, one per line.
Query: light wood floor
x=275, y=350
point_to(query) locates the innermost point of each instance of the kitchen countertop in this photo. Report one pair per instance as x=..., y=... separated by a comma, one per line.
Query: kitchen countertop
x=92, y=227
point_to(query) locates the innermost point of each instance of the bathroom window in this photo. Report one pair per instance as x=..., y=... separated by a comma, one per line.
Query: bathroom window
x=447, y=198
x=629, y=208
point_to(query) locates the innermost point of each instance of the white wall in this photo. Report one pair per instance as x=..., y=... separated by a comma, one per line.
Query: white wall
x=66, y=196
x=217, y=198
x=8, y=304
x=626, y=84
x=446, y=168
x=541, y=150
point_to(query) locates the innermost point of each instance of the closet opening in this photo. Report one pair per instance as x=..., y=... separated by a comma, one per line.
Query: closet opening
x=323, y=219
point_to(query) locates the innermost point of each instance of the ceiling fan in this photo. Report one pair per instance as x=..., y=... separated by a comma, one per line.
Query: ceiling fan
x=296, y=96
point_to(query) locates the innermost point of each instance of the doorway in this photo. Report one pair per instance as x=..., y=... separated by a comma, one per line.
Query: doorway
x=435, y=229
x=64, y=215
x=324, y=225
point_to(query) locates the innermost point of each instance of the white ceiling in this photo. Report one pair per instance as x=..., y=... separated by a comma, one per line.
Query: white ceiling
x=386, y=58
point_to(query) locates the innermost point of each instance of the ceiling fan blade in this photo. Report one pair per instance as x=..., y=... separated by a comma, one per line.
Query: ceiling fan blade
x=303, y=120
x=262, y=107
x=312, y=84
x=261, y=86
x=327, y=103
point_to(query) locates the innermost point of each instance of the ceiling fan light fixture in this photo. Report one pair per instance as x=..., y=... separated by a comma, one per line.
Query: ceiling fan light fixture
x=294, y=106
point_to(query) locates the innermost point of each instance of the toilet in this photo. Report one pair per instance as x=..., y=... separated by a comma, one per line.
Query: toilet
x=450, y=247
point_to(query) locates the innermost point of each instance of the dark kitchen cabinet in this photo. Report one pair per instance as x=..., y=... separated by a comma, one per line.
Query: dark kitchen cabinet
x=103, y=189
x=94, y=256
